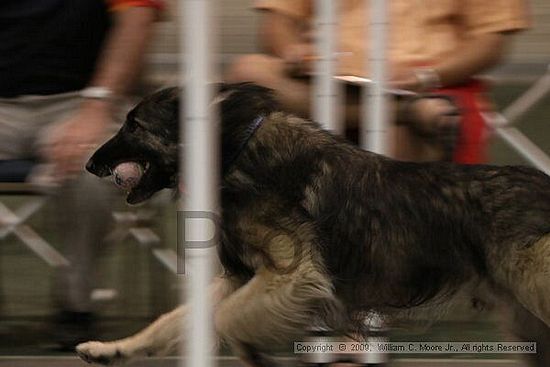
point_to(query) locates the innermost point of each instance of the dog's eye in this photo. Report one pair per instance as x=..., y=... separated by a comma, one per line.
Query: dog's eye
x=140, y=123
x=131, y=125
x=134, y=123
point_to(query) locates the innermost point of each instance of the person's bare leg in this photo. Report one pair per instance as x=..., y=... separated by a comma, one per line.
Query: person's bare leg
x=270, y=72
x=427, y=132
x=294, y=94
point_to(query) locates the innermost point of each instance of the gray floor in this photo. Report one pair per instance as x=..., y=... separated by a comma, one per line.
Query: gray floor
x=231, y=362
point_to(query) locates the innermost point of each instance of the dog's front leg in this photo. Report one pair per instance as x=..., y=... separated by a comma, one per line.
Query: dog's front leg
x=271, y=310
x=159, y=338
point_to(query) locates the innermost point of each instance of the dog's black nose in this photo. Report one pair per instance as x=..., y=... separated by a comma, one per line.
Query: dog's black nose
x=90, y=166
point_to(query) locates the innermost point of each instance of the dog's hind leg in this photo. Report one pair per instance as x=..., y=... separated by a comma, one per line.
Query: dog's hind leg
x=159, y=338
x=531, y=329
x=526, y=274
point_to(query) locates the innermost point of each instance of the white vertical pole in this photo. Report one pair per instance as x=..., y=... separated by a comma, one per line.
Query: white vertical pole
x=374, y=133
x=325, y=93
x=199, y=161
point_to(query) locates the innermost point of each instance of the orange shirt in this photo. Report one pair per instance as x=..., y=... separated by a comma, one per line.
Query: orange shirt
x=122, y=4
x=421, y=32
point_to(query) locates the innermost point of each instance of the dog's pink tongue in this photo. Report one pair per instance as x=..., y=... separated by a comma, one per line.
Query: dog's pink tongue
x=127, y=175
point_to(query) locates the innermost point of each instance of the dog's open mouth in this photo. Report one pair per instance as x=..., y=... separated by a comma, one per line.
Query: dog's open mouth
x=127, y=175
x=134, y=177
x=139, y=177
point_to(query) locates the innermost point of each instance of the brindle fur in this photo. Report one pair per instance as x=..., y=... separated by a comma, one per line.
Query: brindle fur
x=314, y=227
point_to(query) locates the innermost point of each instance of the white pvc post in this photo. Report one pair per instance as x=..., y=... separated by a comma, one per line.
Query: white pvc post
x=325, y=93
x=373, y=135
x=199, y=160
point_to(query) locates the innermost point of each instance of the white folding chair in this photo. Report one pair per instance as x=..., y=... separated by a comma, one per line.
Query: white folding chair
x=14, y=221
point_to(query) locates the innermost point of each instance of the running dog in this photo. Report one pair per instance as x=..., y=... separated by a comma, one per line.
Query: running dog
x=315, y=228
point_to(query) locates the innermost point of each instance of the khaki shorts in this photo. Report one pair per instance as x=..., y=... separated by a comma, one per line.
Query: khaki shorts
x=25, y=122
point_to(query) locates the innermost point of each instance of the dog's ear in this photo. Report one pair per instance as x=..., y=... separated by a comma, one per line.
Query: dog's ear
x=169, y=96
x=244, y=102
x=162, y=105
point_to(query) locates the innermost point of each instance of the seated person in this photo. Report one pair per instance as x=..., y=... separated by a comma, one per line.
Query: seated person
x=64, y=67
x=434, y=47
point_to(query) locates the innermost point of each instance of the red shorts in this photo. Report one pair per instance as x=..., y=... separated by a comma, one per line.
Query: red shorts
x=473, y=136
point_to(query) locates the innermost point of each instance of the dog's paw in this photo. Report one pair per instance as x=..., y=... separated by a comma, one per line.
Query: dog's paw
x=101, y=353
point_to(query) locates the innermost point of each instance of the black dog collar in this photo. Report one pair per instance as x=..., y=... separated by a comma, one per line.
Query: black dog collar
x=249, y=132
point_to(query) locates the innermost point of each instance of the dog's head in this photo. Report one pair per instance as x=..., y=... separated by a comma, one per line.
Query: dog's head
x=149, y=137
